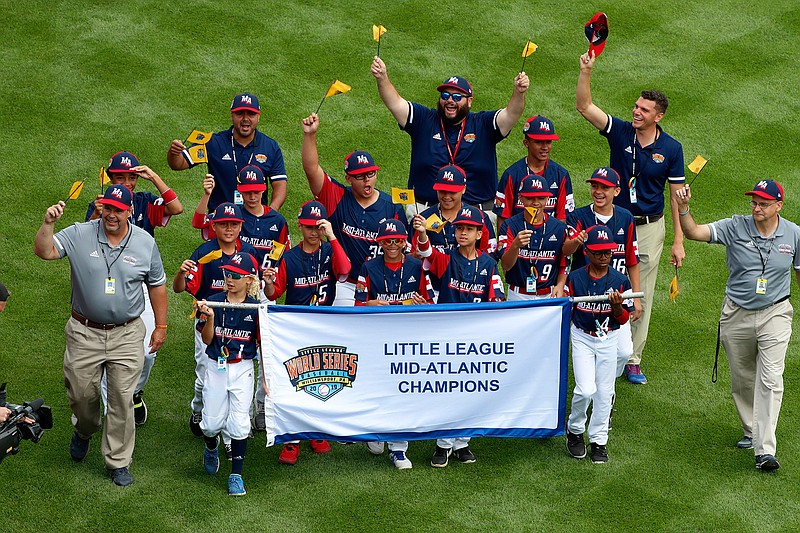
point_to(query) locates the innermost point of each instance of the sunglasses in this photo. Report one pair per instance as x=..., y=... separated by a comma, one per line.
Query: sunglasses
x=394, y=242
x=600, y=253
x=233, y=275
x=455, y=96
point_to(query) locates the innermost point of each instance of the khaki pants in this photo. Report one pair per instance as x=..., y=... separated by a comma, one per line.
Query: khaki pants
x=756, y=343
x=650, y=238
x=88, y=354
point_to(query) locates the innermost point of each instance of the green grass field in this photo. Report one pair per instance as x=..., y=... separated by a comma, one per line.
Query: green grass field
x=84, y=80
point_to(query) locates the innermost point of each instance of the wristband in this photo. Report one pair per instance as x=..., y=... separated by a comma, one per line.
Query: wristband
x=684, y=213
x=161, y=326
x=169, y=196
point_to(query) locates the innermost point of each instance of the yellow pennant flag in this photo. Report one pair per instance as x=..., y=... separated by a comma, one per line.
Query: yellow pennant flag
x=210, y=256
x=530, y=47
x=277, y=250
x=697, y=165
x=434, y=223
x=198, y=153
x=104, y=179
x=403, y=196
x=377, y=31
x=673, y=287
x=337, y=87
x=532, y=211
x=75, y=190
x=199, y=137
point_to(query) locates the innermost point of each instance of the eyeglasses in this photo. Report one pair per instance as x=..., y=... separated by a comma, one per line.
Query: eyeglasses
x=761, y=205
x=394, y=242
x=455, y=96
x=365, y=176
x=600, y=253
x=233, y=275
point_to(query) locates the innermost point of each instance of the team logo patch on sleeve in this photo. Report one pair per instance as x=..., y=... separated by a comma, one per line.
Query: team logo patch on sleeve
x=322, y=371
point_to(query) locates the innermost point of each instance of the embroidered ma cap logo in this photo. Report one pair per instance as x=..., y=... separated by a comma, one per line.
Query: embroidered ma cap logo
x=322, y=371
x=229, y=210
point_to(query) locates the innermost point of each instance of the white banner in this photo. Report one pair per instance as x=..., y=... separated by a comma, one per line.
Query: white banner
x=416, y=372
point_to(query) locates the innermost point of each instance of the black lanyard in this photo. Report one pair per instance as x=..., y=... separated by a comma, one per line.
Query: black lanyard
x=233, y=152
x=758, y=247
x=127, y=240
x=534, y=270
x=388, y=271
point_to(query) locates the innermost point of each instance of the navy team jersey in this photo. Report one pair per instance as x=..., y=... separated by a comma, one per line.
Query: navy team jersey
x=148, y=212
x=464, y=280
x=310, y=278
x=507, y=202
x=207, y=279
x=622, y=228
x=236, y=332
x=261, y=232
x=660, y=162
x=542, y=256
x=356, y=227
x=395, y=283
x=226, y=158
x=589, y=315
x=473, y=147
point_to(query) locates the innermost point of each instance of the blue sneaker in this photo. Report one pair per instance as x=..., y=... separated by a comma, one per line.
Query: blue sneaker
x=634, y=374
x=236, y=485
x=211, y=460
x=400, y=461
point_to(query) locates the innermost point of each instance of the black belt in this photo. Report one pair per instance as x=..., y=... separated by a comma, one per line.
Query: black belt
x=88, y=323
x=641, y=221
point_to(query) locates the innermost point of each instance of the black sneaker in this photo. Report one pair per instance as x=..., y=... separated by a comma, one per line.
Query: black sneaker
x=78, y=447
x=767, y=462
x=194, y=424
x=439, y=459
x=575, y=445
x=746, y=443
x=121, y=477
x=464, y=455
x=139, y=409
x=599, y=453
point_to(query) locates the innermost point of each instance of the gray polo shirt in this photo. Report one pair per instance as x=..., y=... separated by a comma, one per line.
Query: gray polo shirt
x=133, y=261
x=745, y=265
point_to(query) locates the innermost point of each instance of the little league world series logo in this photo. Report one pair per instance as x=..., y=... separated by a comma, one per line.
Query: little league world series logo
x=322, y=371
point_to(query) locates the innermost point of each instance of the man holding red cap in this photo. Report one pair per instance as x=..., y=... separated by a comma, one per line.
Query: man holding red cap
x=149, y=212
x=756, y=322
x=109, y=260
x=646, y=159
x=530, y=246
x=231, y=150
x=539, y=134
x=452, y=135
x=355, y=211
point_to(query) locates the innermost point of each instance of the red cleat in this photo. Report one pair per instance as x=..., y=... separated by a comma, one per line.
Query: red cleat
x=320, y=446
x=289, y=454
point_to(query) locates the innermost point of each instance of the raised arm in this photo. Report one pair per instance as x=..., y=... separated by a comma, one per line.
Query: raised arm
x=691, y=229
x=395, y=103
x=43, y=245
x=583, y=95
x=310, y=155
x=175, y=158
x=172, y=206
x=509, y=115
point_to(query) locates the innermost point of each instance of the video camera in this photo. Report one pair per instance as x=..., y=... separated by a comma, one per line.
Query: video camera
x=18, y=427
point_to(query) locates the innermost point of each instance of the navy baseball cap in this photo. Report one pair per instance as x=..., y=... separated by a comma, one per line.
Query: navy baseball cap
x=250, y=178
x=118, y=196
x=605, y=176
x=534, y=186
x=599, y=237
x=596, y=33
x=241, y=263
x=245, y=102
x=540, y=128
x=122, y=162
x=458, y=83
x=391, y=229
x=359, y=162
x=227, y=212
x=311, y=213
x=769, y=189
x=451, y=178
x=470, y=216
